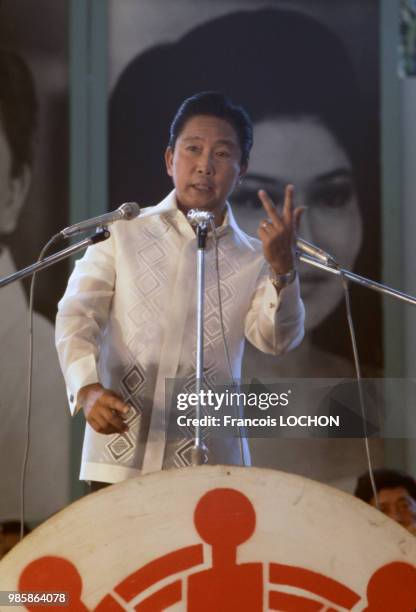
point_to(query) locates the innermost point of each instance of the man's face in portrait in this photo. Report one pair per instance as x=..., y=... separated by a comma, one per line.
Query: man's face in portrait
x=205, y=163
x=13, y=189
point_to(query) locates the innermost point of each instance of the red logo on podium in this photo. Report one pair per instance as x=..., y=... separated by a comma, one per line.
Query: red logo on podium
x=225, y=518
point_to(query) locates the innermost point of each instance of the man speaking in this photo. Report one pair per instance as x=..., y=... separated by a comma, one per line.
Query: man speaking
x=127, y=320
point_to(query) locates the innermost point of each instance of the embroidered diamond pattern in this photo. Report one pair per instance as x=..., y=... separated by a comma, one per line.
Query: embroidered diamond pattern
x=148, y=333
x=226, y=269
x=147, y=283
x=182, y=456
x=145, y=240
x=158, y=228
x=161, y=274
x=133, y=380
x=136, y=344
x=152, y=254
x=213, y=327
x=133, y=416
x=159, y=301
x=226, y=294
x=120, y=447
x=140, y=315
x=131, y=385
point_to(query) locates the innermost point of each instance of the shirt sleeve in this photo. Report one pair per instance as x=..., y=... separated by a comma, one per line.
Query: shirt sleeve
x=275, y=322
x=82, y=315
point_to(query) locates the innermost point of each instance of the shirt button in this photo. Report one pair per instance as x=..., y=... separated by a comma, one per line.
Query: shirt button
x=272, y=305
x=71, y=398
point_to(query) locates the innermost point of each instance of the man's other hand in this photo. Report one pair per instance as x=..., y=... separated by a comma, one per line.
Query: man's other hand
x=104, y=411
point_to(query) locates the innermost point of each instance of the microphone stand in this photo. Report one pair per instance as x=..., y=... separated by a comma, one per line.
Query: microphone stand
x=199, y=452
x=101, y=235
x=330, y=265
x=360, y=280
x=52, y=259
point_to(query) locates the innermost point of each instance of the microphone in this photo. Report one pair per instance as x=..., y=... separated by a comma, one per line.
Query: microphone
x=126, y=212
x=313, y=251
x=198, y=217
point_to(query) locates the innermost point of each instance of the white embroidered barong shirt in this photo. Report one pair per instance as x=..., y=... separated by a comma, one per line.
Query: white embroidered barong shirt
x=128, y=321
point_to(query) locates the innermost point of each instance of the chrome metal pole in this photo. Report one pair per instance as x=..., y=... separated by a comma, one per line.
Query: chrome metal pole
x=52, y=259
x=361, y=280
x=199, y=453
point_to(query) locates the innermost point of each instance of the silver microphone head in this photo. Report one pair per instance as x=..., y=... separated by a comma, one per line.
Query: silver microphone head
x=197, y=217
x=313, y=251
x=129, y=210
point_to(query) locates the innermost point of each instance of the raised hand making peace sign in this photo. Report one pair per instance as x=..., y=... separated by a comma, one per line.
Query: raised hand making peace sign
x=278, y=232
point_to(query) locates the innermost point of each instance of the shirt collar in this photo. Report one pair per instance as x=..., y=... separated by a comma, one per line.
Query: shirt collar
x=168, y=207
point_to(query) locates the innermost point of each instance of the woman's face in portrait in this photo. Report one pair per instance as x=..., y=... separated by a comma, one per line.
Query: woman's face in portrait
x=304, y=153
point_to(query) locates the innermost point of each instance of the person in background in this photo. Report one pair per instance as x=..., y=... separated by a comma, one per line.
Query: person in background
x=396, y=495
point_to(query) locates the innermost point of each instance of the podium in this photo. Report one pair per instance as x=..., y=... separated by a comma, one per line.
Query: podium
x=217, y=539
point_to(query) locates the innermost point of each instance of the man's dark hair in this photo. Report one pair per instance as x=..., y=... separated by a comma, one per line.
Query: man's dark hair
x=384, y=479
x=18, y=109
x=214, y=104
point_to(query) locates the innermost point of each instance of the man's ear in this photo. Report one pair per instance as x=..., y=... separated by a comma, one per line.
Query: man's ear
x=169, y=161
x=15, y=198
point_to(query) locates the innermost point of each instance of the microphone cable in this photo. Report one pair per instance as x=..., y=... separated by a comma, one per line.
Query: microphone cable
x=42, y=254
x=224, y=340
x=345, y=286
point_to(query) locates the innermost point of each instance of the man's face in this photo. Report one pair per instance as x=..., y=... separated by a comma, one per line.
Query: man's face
x=398, y=505
x=205, y=164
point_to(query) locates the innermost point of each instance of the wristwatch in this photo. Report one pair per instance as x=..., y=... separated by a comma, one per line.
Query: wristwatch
x=280, y=281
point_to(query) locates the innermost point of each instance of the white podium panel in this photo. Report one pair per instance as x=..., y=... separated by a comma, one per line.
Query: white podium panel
x=216, y=539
